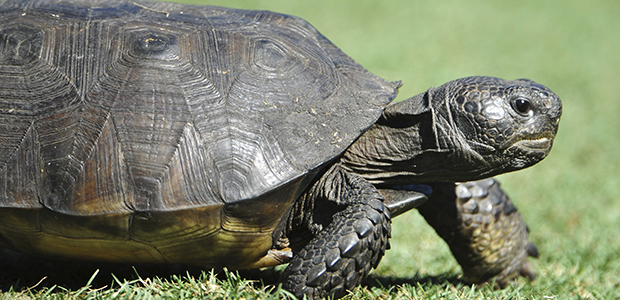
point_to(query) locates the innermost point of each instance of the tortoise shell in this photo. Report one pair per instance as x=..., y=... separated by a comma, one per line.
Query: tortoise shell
x=157, y=132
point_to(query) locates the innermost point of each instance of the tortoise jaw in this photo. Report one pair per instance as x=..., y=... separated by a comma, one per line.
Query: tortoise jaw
x=542, y=144
x=533, y=143
x=527, y=152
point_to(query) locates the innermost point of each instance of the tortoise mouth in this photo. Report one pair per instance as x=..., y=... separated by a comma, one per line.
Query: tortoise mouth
x=542, y=144
x=533, y=146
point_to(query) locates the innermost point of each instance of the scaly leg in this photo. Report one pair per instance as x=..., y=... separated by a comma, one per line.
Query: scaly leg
x=484, y=230
x=346, y=249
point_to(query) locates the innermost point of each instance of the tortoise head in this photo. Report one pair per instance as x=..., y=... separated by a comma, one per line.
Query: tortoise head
x=466, y=129
x=510, y=122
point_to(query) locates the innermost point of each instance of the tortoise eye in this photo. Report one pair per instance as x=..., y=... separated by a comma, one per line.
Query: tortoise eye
x=523, y=107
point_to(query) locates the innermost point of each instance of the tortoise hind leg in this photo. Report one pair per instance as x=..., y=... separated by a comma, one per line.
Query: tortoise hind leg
x=484, y=230
x=345, y=250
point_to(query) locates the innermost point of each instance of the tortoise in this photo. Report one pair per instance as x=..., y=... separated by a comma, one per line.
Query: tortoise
x=146, y=132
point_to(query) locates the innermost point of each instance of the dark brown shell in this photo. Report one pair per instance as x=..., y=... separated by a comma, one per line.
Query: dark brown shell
x=157, y=132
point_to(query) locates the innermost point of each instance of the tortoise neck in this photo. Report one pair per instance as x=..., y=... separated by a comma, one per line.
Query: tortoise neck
x=414, y=142
x=382, y=150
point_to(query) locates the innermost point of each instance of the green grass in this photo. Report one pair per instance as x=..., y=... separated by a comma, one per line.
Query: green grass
x=571, y=201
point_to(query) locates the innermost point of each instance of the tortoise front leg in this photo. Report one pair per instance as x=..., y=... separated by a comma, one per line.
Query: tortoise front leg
x=484, y=230
x=345, y=250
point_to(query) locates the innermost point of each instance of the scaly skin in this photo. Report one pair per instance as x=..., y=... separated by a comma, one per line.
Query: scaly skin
x=484, y=230
x=341, y=255
x=347, y=244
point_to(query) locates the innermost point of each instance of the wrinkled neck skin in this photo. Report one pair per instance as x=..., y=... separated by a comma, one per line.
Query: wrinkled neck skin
x=468, y=129
x=414, y=141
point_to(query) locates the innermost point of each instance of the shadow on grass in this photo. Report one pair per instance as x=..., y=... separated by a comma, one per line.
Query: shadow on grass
x=19, y=272
x=418, y=279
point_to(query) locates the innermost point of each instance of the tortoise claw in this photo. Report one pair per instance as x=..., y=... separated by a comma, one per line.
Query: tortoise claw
x=532, y=251
x=527, y=271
